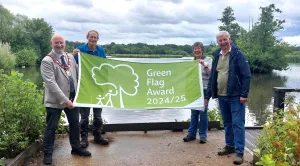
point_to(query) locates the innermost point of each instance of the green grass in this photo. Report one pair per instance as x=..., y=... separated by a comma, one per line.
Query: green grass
x=293, y=58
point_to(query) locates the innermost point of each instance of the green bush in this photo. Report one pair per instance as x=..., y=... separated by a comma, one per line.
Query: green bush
x=22, y=114
x=7, y=61
x=279, y=143
x=214, y=115
x=26, y=57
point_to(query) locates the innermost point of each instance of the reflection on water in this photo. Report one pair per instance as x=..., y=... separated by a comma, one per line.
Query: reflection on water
x=260, y=97
x=32, y=74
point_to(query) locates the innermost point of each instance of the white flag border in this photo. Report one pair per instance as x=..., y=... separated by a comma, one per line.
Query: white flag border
x=194, y=105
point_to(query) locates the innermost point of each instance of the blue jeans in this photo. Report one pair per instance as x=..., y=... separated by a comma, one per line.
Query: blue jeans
x=233, y=115
x=192, y=131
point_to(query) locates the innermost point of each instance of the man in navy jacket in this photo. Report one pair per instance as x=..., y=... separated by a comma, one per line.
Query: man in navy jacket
x=229, y=82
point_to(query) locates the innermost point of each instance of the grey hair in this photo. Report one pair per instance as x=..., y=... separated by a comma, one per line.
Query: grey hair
x=87, y=35
x=223, y=33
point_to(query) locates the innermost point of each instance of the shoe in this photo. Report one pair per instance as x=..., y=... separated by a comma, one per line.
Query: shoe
x=84, y=141
x=81, y=152
x=239, y=159
x=188, y=138
x=98, y=139
x=203, y=140
x=47, y=159
x=226, y=150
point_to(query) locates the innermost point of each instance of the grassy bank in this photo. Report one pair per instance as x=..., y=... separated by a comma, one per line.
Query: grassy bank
x=145, y=56
x=293, y=58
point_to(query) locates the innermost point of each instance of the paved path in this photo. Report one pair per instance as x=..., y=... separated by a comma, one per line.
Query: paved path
x=155, y=148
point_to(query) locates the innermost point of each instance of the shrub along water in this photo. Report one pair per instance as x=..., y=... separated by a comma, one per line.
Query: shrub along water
x=293, y=58
x=22, y=114
x=26, y=57
x=7, y=58
x=279, y=143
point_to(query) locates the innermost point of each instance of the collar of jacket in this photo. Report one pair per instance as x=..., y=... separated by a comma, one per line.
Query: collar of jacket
x=233, y=51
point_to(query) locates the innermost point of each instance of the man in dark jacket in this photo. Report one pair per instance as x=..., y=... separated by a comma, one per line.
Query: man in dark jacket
x=229, y=82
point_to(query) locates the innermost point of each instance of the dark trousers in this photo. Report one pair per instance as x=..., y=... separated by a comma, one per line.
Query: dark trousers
x=52, y=119
x=84, y=122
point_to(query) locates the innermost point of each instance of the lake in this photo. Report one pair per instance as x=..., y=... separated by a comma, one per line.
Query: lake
x=259, y=106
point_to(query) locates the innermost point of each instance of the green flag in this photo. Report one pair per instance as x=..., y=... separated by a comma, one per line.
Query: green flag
x=120, y=84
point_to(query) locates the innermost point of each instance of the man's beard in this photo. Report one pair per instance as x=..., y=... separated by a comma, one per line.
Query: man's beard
x=59, y=51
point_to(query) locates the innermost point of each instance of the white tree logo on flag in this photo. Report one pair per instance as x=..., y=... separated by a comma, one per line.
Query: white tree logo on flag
x=117, y=86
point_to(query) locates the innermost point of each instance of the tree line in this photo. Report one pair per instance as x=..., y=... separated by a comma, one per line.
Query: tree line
x=28, y=41
x=142, y=48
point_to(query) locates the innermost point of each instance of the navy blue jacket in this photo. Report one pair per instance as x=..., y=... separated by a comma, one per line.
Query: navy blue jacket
x=238, y=77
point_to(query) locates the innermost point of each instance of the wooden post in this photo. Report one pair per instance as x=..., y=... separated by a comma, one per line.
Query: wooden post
x=279, y=95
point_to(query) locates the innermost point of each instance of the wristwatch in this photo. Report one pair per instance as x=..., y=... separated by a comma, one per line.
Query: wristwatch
x=205, y=67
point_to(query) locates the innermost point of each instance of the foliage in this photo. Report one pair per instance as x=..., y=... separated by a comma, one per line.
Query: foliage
x=40, y=32
x=293, y=57
x=6, y=18
x=26, y=57
x=279, y=143
x=141, y=49
x=32, y=33
x=7, y=58
x=214, y=115
x=22, y=114
x=229, y=24
x=24, y=33
x=265, y=52
x=1, y=163
x=33, y=74
x=188, y=120
x=62, y=128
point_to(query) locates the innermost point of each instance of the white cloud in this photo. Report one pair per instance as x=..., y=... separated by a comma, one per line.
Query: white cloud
x=150, y=21
x=293, y=40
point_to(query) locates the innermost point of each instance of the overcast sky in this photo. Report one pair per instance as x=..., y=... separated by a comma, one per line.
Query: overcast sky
x=151, y=21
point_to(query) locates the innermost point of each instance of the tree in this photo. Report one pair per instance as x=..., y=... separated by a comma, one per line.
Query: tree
x=31, y=34
x=40, y=33
x=26, y=57
x=229, y=24
x=7, y=58
x=20, y=38
x=263, y=31
x=6, y=24
x=265, y=52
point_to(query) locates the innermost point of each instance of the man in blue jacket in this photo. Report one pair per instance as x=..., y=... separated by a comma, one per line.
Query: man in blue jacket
x=93, y=49
x=229, y=81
